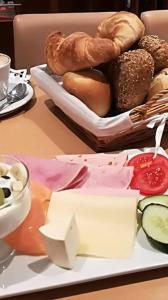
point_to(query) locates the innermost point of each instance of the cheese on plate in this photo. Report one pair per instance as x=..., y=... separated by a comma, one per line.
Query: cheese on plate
x=106, y=224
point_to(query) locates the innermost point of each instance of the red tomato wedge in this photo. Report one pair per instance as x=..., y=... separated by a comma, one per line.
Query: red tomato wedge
x=150, y=174
x=151, y=180
x=144, y=160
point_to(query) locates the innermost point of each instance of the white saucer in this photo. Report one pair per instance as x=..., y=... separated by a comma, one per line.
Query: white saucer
x=11, y=108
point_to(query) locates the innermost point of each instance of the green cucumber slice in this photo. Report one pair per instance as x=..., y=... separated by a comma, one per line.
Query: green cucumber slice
x=160, y=199
x=155, y=225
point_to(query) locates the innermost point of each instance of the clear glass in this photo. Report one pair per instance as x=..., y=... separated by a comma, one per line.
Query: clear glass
x=13, y=214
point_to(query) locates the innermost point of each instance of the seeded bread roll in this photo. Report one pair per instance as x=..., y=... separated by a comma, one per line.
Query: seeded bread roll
x=130, y=76
x=157, y=48
x=91, y=87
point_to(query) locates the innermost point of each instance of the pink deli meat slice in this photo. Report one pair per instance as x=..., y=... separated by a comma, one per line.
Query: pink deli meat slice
x=96, y=160
x=56, y=175
x=118, y=178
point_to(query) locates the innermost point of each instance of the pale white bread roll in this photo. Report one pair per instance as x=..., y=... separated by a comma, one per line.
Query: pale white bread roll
x=158, y=84
x=91, y=87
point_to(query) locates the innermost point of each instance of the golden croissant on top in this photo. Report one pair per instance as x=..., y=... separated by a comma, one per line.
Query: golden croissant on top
x=77, y=51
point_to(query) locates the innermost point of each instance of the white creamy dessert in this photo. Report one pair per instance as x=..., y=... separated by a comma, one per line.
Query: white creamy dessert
x=15, y=197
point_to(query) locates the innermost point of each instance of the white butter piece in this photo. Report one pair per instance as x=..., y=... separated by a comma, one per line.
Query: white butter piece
x=61, y=240
x=107, y=224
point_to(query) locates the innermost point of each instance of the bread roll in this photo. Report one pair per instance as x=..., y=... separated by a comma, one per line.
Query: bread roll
x=77, y=51
x=123, y=28
x=131, y=75
x=158, y=84
x=91, y=87
x=157, y=48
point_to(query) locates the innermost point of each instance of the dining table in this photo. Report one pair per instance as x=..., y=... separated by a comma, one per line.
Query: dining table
x=37, y=130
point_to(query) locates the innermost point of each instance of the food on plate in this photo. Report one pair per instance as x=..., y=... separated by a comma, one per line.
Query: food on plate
x=159, y=199
x=107, y=225
x=147, y=159
x=157, y=48
x=151, y=180
x=54, y=174
x=102, y=204
x=97, y=160
x=91, y=87
x=123, y=28
x=26, y=238
x=150, y=173
x=61, y=240
x=2, y=197
x=158, y=84
x=155, y=225
x=77, y=51
x=130, y=76
x=107, y=177
x=15, y=202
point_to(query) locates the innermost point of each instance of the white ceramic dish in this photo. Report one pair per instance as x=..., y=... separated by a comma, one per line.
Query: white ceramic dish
x=11, y=108
x=25, y=274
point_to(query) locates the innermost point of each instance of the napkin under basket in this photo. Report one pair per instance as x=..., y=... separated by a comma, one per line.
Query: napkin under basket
x=102, y=134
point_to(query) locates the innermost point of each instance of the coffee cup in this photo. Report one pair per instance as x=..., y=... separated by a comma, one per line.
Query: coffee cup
x=5, y=62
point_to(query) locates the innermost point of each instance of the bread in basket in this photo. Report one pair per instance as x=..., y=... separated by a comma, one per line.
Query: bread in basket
x=119, y=38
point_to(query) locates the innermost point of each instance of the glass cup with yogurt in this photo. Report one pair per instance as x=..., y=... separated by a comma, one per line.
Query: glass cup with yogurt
x=5, y=62
x=15, y=198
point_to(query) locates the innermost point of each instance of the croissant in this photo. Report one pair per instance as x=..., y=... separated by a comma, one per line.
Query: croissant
x=77, y=51
x=123, y=28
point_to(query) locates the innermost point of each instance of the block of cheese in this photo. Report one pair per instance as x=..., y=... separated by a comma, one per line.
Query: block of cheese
x=107, y=224
x=61, y=240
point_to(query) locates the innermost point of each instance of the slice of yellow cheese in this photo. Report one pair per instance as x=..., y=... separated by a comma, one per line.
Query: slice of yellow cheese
x=106, y=224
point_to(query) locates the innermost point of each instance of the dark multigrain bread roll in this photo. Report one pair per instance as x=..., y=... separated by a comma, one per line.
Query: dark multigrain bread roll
x=157, y=48
x=130, y=76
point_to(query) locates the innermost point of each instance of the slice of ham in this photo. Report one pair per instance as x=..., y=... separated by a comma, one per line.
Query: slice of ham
x=60, y=175
x=56, y=175
x=96, y=160
x=118, y=178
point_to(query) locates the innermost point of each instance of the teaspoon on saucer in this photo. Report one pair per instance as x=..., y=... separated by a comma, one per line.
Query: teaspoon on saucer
x=16, y=94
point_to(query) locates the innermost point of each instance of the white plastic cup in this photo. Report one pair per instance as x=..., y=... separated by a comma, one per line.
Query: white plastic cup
x=5, y=62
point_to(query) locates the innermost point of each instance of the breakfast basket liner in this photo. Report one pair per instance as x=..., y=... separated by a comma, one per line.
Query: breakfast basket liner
x=105, y=134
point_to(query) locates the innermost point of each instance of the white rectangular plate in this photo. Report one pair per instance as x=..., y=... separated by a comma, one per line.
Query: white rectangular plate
x=25, y=274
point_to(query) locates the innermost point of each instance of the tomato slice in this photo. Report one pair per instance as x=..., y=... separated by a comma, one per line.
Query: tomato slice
x=151, y=180
x=144, y=160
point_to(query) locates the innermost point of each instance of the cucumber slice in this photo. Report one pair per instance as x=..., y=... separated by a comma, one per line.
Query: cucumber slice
x=155, y=225
x=160, y=199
